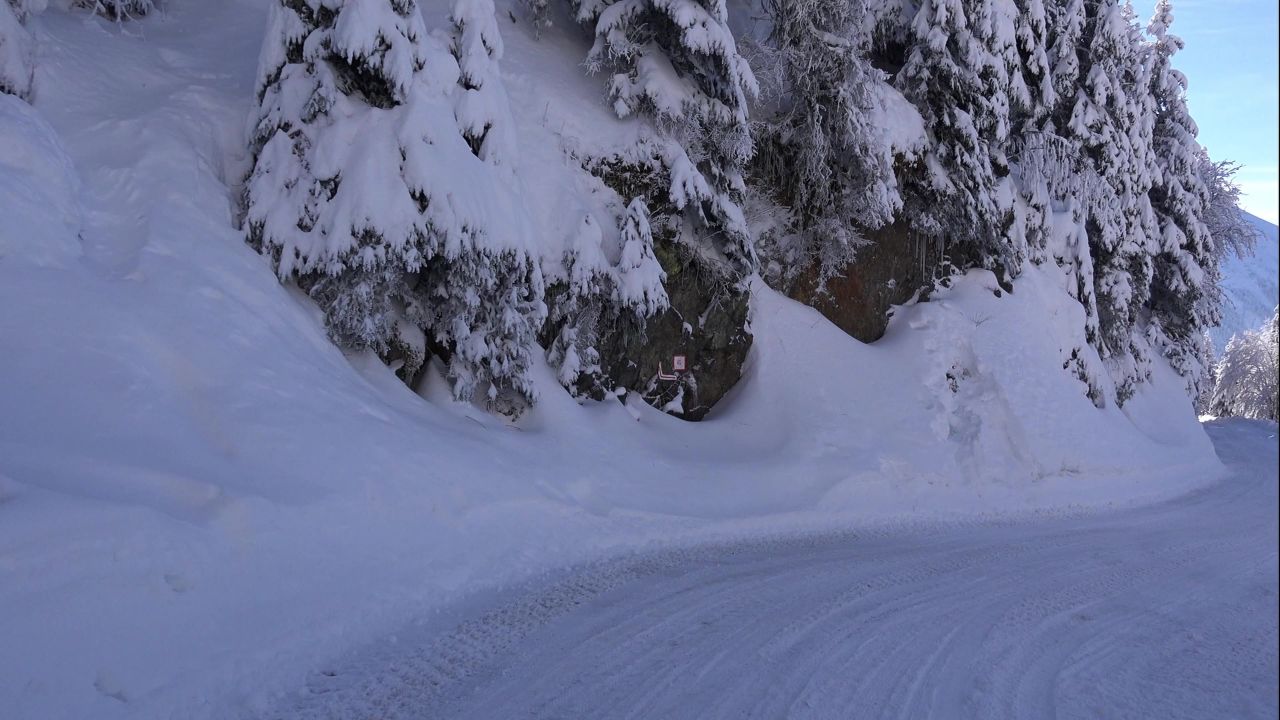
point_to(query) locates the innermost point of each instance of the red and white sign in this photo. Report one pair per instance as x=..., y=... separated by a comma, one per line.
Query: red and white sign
x=678, y=363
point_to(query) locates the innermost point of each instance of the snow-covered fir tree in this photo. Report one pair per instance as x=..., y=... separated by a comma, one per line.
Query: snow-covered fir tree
x=994, y=24
x=1232, y=233
x=1046, y=165
x=481, y=107
x=822, y=156
x=677, y=62
x=1055, y=176
x=640, y=276
x=484, y=308
x=1095, y=123
x=1246, y=378
x=17, y=48
x=539, y=12
x=487, y=302
x=1080, y=108
x=1066, y=22
x=1204, y=399
x=377, y=186
x=599, y=298
x=1182, y=303
x=1038, y=115
x=305, y=205
x=1032, y=33
x=119, y=9
x=952, y=193
x=578, y=307
x=1106, y=105
x=1051, y=163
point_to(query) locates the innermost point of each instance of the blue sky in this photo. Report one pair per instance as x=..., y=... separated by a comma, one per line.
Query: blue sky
x=1231, y=67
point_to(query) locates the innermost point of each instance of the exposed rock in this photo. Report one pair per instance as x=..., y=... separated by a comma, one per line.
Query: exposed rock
x=889, y=271
x=706, y=323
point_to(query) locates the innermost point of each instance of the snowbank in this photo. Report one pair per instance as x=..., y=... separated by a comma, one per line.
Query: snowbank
x=202, y=500
x=40, y=189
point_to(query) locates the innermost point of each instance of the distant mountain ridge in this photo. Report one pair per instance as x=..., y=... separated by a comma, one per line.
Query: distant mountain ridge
x=1251, y=285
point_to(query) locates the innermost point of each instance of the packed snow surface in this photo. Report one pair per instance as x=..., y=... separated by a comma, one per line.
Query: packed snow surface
x=203, y=503
x=1166, y=611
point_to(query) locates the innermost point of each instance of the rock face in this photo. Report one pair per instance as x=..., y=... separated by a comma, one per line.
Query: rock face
x=706, y=323
x=885, y=273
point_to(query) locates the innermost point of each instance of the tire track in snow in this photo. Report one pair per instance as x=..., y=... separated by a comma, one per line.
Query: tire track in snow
x=1167, y=611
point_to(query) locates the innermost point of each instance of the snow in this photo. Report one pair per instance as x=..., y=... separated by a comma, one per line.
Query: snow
x=898, y=119
x=1154, y=612
x=203, y=502
x=1251, y=285
x=42, y=213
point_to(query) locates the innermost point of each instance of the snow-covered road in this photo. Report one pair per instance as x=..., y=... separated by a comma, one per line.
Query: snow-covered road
x=1165, y=611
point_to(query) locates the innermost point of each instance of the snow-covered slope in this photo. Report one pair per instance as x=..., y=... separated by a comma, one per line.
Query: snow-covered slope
x=202, y=500
x=1251, y=285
